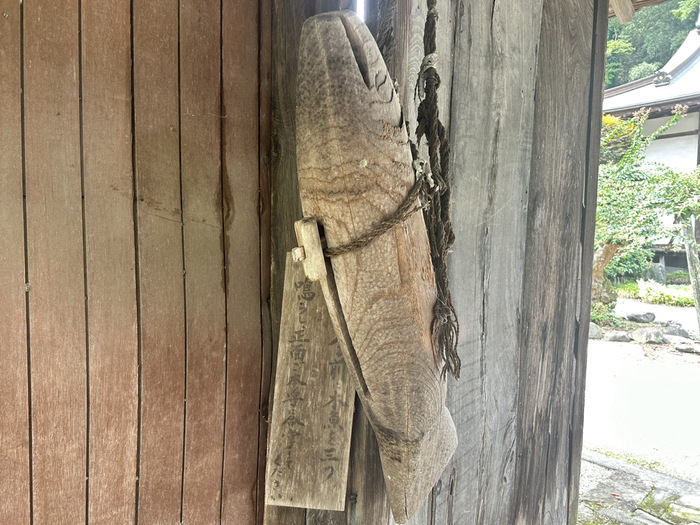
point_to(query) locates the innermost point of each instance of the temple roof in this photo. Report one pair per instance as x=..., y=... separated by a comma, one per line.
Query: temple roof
x=677, y=82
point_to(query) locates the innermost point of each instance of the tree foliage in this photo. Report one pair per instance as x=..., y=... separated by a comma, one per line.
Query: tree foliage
x=653, y=35
x=627, y=217
x=679, y=194
x=628, y=214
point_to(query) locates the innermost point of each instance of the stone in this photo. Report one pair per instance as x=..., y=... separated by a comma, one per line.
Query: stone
x=677, y=340
x=688, y=349
x=594, y=331
x=656, y=272
x=640, y=317
x=649, y=335
x=617, y=336
x=675, y=328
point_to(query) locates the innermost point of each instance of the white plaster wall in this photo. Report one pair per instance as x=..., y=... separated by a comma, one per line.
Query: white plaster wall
x=678, y=153
x=687, y=123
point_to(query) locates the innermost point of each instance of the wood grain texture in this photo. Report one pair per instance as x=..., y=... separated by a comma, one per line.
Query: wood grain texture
x=311, y=423
x=623, y=9
x=160, y=260
x=265, y=173
x=240, y=491
x=638, y=4
x=367, y=495
x=200, y=151
x=491, y=135
x=407, y=25
x=110, y=259
x=590, y=196
x=14, y=395
x=354, y=170
x=553, y=261
x=287, y=20
x=55, y=258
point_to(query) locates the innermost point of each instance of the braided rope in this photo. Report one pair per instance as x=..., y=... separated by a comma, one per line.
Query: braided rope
x=408, y=207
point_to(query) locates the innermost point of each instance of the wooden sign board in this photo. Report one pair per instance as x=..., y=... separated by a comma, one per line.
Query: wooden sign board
x=309, y=445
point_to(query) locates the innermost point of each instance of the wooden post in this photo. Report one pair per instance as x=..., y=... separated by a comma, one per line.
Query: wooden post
x=525, y=170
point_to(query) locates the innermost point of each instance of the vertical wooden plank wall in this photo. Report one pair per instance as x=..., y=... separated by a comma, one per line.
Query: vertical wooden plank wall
x=110, y=258
x=133, y=351
x=14, y=386
x=205, y=293
x=56, y=261
x=240, y=158
x=160, y=258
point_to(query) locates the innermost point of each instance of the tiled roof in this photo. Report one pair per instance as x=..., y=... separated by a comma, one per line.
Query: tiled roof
x=677, y=82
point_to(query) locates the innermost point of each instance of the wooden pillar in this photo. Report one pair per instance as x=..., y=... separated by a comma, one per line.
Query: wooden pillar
x=522, y=90
x=525, y=111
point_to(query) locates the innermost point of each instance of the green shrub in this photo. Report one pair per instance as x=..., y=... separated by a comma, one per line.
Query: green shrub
x=679, y=277
x=628, y=290
x=655, y=293
x=604, y=315
x=632, y=262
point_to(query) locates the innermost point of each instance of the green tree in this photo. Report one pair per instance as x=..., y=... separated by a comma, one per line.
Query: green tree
x=653, y=35
x=686, y=10
x=679, y=195
x=627, y=216
x=643, y=70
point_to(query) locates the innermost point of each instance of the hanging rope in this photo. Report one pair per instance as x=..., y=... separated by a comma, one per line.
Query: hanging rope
x=445, y=326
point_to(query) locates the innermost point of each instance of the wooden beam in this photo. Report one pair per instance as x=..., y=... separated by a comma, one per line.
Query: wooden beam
x=557, y=262
x=624, y=10
x=638, y=4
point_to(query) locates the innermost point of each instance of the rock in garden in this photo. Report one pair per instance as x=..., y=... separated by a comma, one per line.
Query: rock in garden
x=649, y=335
x=640, y=317
x=594, y=332
x=688, y=349
x=656, y=272
x=677, y=339
x=674, y=328
x=618, y=336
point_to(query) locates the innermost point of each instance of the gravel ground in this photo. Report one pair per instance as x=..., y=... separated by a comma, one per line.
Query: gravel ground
x=685, y=316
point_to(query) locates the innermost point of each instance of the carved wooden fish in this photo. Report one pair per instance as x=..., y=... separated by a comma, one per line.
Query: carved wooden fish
x=355, y=169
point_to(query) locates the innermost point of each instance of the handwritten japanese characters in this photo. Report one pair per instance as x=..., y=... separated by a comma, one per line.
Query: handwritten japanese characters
x=308, y=451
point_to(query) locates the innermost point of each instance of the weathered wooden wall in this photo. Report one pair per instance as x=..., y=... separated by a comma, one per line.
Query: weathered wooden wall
x=134, y=280
x=522, y=88
x=137, y=204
